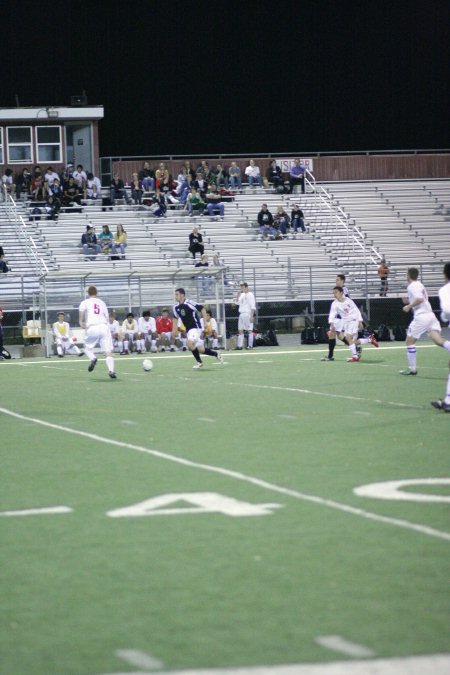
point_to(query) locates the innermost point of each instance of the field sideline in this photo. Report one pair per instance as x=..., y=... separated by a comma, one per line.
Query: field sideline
x=257, y=517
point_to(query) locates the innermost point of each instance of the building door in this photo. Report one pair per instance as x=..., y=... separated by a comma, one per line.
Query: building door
x=79, y=145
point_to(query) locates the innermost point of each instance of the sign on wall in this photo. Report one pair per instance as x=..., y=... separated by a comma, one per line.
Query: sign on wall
x=285, y=164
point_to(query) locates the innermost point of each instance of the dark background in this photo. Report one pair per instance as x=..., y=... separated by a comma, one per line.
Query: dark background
x=238, y=77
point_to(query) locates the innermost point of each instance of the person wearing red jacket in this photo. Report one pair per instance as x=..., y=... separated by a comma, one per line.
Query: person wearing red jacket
x=164, y=328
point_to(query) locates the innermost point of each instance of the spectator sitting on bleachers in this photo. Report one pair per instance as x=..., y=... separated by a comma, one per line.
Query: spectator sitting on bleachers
x=253, y=174
x=8, y=182
x=80, y=178
x=129, y=333
x=89, y=243
x=23, y=183
x=37, y=184
x=204, y=169
x=297, y=219
x=158, y=207
x=52, y=207
x=165, y=190
x=200, y=184
x=203, y=281
x=190, y=173
x=182, y=189
x=297, y=175
x=137, y=188
x=93, y=187
x=194, y=202
x=164, y=330
x=72, y=193
x=196, y=242
x=117, y=190
x=265, y=222
x=220, y=176
x=281, y=223
x=274, y=174
x=120, y=241
x=147, y=176
x=3, y=266
x=55, y=190
x=214, y=201
x=106, y=239
x=234, y=173
x=49, y=178
x=66, y=174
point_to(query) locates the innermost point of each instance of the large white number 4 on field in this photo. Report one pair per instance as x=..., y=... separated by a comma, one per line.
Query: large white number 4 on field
x=193, y=502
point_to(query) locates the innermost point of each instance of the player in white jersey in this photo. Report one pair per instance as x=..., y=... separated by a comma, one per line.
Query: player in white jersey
x=61, y=334
x=337, y=327
x=423, y=323
x=94, y=318
x=147, y=333
x=344, y=311
x=444, y=299
x=247, y=308
x=114, y=329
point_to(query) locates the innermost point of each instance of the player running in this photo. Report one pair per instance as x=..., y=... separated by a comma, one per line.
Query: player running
x=352, y=321
x=337, y=327
x=94, y=318
x=190, y=314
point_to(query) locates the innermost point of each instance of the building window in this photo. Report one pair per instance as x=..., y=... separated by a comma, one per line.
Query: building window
x=19, y=145
x=1, y=146
x=48, y=141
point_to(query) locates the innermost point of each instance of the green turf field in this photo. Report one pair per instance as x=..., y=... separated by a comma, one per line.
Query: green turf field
x=258, y=549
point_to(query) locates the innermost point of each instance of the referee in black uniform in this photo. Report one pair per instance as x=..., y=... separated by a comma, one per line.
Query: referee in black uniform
x=189, y=313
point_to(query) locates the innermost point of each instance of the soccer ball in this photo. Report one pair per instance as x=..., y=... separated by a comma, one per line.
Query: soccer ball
x=147, y=365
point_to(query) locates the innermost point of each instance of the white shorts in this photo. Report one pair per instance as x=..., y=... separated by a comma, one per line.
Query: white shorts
x=350, y=327
x=423, y=323
x=244, y=322
x=194, y=335
x=101, y=335
x=338, y=325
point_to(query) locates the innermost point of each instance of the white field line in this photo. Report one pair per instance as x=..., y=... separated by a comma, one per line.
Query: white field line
x=252, y=353
x=48, y=510
x=140, y=659
x=405, y=524
x=339, y=644
x=433, y=664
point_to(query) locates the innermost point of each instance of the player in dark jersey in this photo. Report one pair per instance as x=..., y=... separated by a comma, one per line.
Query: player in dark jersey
x=190, y=313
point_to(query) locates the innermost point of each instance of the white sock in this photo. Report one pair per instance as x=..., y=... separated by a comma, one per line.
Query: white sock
x=126, y=344
x=184, y=342
x=447, y=395
x=240, y=340
x=412, y=357
x=89, y=353
x=446, y=345
x=215, y=343
x=364, y=341
x=59, y=350
x=250, y=339
x=110, y=364
x=153, y=344
x=353, y=350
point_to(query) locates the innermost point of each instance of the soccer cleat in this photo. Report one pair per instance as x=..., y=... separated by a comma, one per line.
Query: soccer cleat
x=112, y=375
x=219, y=358
x=197, y=366
x=184, y=349
x=408, y=371
x=441, y=405
x=353, y=359
x=92, y=365
x=327, y=358
x=373, y=340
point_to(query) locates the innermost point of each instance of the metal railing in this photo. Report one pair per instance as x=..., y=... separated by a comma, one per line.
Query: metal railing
x=24, y=237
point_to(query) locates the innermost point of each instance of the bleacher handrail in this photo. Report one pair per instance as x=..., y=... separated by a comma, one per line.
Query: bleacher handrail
x=37, y=263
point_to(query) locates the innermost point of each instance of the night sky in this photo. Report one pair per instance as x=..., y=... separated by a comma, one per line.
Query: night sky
x=238, y=77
